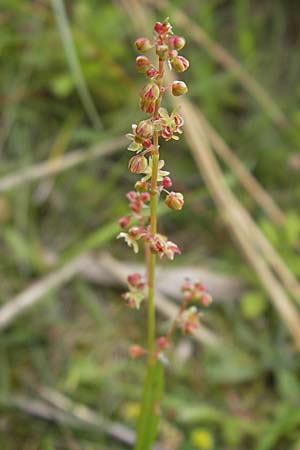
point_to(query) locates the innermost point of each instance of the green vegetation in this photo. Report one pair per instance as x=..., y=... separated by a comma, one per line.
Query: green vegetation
x=243, y=394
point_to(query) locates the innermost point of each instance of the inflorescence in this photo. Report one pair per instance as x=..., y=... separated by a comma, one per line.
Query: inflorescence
x=144, y=138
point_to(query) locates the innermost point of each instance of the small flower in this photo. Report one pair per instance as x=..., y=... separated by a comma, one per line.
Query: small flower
x=131, y=238
x=179, y=88
x=174, y=200
x=144, y=129
x=138, y=164
x=135, y=280
x=151, y=72
x=161, y=173
x=162, y=343
x=206, y=299
x=163, y=28
x=133, y=299
x=136, y=350
x=171, y=249
x=148, y=97
x=179, y=63
x=129, y=241
x=196, y=292
x=140, y=135
x=189, y=320
x=124, y=221
x=160, y=245
x=169, y=123
x=176, y=42
x=143, y=44
x=166, y=182
x=142, y=63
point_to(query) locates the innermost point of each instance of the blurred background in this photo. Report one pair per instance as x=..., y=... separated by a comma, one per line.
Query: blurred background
x=69, y=93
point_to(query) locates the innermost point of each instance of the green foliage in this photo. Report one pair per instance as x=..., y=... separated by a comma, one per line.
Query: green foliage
x=245, y=393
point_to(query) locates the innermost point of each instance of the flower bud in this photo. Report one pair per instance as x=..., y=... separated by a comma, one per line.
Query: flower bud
x=151, y=72
x=174, y=200
x=176, y=42
x=147, y=143
x=124, y=221
x=162, y=28
x=143, y=44
x=180, y=63
x=162, y=342
x=144, y=129
x=135, y=281
x=166, y=182
x=141, y=186
x=162, y=51
x=179, y=88
x=136, y=350
x=142, y=63
x=148, y=97
x=145, y=197
x=206, y=299
x=138, y=164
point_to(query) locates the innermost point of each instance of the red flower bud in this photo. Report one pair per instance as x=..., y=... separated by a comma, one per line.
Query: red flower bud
x=143, y=44
x=135, y=281
x=206, y=299
x=136, y=350
x=180, y=63
x=151, y=72
x=144, y=129
x=148, y=97
x=145, y=196
x=179, y=88
x=176, y=42
x=162, y=28
x=174, y=200
x=166, y=182
x=142, y=63
x=138, y=164
x=162, y=342
x=124, y=221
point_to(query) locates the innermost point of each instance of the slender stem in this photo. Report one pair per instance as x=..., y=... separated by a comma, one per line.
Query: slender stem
x=153, y=226
x=148, y=421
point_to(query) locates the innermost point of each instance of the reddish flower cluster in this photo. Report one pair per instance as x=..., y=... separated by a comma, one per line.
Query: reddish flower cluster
x=155, y=181
x=136, y=293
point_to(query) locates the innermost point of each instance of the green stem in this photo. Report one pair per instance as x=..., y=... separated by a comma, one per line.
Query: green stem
x=149, y=418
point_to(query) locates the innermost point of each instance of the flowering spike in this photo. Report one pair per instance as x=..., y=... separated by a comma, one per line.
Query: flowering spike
x=145, y=142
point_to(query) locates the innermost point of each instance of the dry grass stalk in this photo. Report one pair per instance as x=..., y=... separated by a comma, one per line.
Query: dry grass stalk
x=252, y=186
x=240, y=223
x=57, y=165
